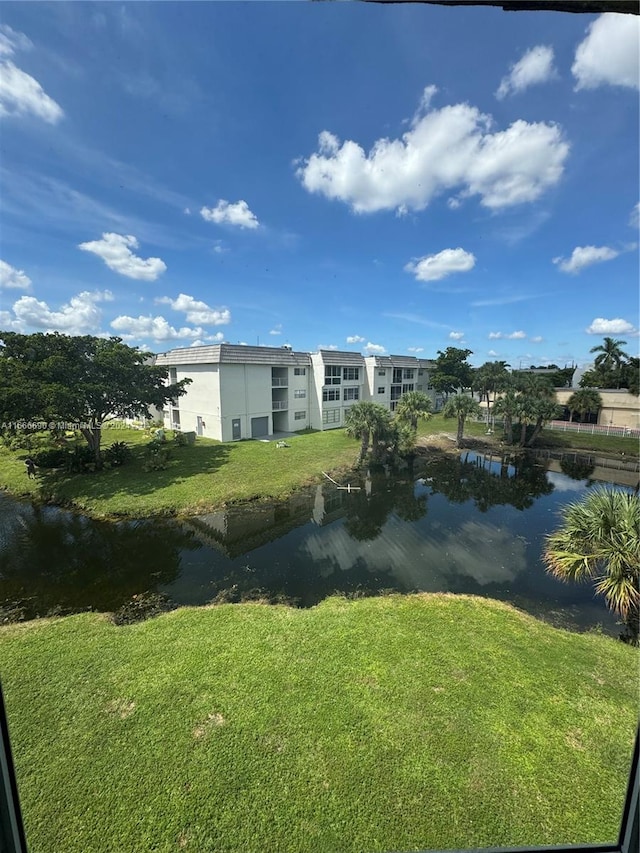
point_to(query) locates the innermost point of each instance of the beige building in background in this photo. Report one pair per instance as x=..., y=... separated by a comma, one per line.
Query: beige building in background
x=620, y=408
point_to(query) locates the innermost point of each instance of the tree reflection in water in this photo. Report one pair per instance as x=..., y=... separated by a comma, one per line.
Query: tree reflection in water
x=58, y=562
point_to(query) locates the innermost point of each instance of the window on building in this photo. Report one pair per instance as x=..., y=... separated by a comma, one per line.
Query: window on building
x=351, y=394
x=420, y=372
x=299, y=416
x=408, y=387
x=396, y=392
x=299, y=393
x=299, y=371
x=382, y=373
x=332, y=375
x=331, y=416
x=397, y=375
x=408, y=373
x=330, y=394
x=381, y=389
x=173, y=375
x=419, y=387
x=351, y=373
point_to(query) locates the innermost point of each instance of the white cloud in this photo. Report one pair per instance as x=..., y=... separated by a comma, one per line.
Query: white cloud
x=115, y=251
x=536, y=66
x=230, y=214
x=584, y=256
x=11, y=277
x=634, y=219
x=156, y=328
x=513, y=336
x=456, y=336
x=492, y=352
x=277, y=330
x=454, y=203
x=21, y=94
x=618, y=326
x=537, y=339
x=355, y=339
x=374, y=349
x=197, y=311
x=187, y=212
x=415, y=349
x=327, y=346
x=80, y=316
x=436, y=267
x=609, y=54
x=10, y=41
x=219, y=248
x=450, y=149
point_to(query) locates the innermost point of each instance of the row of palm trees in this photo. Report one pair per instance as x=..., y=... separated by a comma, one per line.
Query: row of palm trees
x=378, y=428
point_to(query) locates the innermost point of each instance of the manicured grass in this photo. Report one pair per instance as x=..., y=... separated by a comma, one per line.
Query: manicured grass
x=609, y=444
x=205, y=475
x=381, y=724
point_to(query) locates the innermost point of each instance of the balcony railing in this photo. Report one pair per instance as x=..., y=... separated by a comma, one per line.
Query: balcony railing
x=279, y=381
x=279, y=405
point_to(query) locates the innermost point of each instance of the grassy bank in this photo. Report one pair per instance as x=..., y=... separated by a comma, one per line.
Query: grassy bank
x=610, y=445
x=381, y=724
x=210, y=474
x=205, y=475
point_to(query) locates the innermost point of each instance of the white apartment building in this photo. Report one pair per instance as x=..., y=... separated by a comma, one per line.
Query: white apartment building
x=241, y=392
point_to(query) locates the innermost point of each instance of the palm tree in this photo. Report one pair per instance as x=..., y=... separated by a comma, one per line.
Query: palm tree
x=507, y=407
x=611, y=354
x=545, y=410
x=367, y=421
x=527, y=413
x=492, y=376
x=461, y=407
x=600, y=539
x=413, y=405
x=584, y=400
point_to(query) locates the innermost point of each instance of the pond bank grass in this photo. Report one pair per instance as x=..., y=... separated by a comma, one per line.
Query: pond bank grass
x=392, y=723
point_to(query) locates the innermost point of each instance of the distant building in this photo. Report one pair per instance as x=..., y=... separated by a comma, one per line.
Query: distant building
x=241, y=392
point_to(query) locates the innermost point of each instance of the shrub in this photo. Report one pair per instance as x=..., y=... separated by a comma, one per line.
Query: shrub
x=117, y=453
x=156, y=457
x=81, y=460
x=180, y=439
x=55, y=457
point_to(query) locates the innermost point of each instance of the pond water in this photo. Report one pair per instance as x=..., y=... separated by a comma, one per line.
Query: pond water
x=469, y=525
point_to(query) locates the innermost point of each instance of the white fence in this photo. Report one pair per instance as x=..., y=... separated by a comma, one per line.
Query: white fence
x=568, y=426
x=594, y=429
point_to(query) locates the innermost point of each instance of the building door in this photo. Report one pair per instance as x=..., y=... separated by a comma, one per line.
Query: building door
x=259, y=427
x=235, y=428
x=199, y=425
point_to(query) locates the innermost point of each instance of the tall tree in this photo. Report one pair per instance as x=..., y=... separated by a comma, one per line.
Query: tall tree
x=506, y=407
x=599, y=538
x=489, y=378
x=584, y=400
x=527, y=414
x=452, y=370
x=545, y=411
x=461, y=407
x=413, y=405
x=82, y=380
x=368, y=422
x=611, y=354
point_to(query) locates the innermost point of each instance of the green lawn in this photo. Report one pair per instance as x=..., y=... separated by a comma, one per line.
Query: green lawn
x=381, y=724
x=210, y=474
x=609, y=444
x=205, y=475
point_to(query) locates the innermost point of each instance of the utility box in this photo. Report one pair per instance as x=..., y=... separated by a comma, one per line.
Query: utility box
x=190, y=436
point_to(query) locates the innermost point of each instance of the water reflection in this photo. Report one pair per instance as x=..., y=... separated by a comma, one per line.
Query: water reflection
x=473, y=524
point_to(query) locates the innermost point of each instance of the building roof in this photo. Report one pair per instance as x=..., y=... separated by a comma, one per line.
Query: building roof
x=336, y=357
x=401, y=361
x=232, y=354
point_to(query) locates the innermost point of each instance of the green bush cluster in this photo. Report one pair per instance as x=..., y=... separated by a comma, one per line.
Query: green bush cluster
x=156, y=456
x=118, y=453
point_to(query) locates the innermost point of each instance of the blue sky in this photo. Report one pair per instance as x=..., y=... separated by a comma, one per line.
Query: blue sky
x=382, y=179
